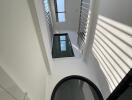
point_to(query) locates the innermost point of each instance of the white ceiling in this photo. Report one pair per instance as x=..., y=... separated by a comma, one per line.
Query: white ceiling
x=72, y=16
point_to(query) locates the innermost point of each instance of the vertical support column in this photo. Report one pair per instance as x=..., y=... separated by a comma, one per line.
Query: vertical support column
x=91, y=28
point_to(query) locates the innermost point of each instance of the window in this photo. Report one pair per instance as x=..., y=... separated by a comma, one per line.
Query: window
x=60, y=10
x=63, y=43
x=62, y=37
x=46, y=5
x=62, y=46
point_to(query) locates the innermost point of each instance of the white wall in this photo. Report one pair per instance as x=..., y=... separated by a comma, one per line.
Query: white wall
x=21, y=56
x=97, y=72
x=72, y=8
x=9, y=90
x=88, y=56
x=113, y=40
x=64, y=67
x=20, y=53
x=41, y=27
x=73, y=38
x=119, y=10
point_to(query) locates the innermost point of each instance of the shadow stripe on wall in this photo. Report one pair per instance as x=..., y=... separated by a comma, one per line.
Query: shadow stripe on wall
x=109, y=61
x=101, y=19
x=111, y=50
x=110, y=80
x=110, y=54
x=111, y=88
x=129, y=45
x=124, y=52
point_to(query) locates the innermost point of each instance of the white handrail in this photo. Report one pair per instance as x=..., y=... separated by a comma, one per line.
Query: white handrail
x=2, y=87
x=25, y=95
x=10, y=94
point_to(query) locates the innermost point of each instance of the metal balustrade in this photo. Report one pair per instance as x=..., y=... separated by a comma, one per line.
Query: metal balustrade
x=48, y=17
x=9, y=90
x=84, y=13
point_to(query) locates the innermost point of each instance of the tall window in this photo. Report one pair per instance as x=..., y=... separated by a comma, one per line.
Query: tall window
x=60, y=10
x=63, y=43
x=46, y=5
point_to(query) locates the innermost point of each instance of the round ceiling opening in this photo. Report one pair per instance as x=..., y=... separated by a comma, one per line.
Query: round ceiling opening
x=76, y=88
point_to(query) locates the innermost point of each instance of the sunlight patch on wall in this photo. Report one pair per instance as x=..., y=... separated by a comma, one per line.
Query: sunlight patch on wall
x=113, y=49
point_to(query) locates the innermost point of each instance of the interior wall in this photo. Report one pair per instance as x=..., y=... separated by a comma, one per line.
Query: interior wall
x=98, y=73
x=90, y=69
x=72, y=8
x=9, y=90
x=118, y=10
x=64, y=67
x=113, y=37
x=73, y=38
x=20, y=53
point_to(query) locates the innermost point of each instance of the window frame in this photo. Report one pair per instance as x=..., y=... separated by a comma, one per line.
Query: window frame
x=57, y=12
x=63, y=40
